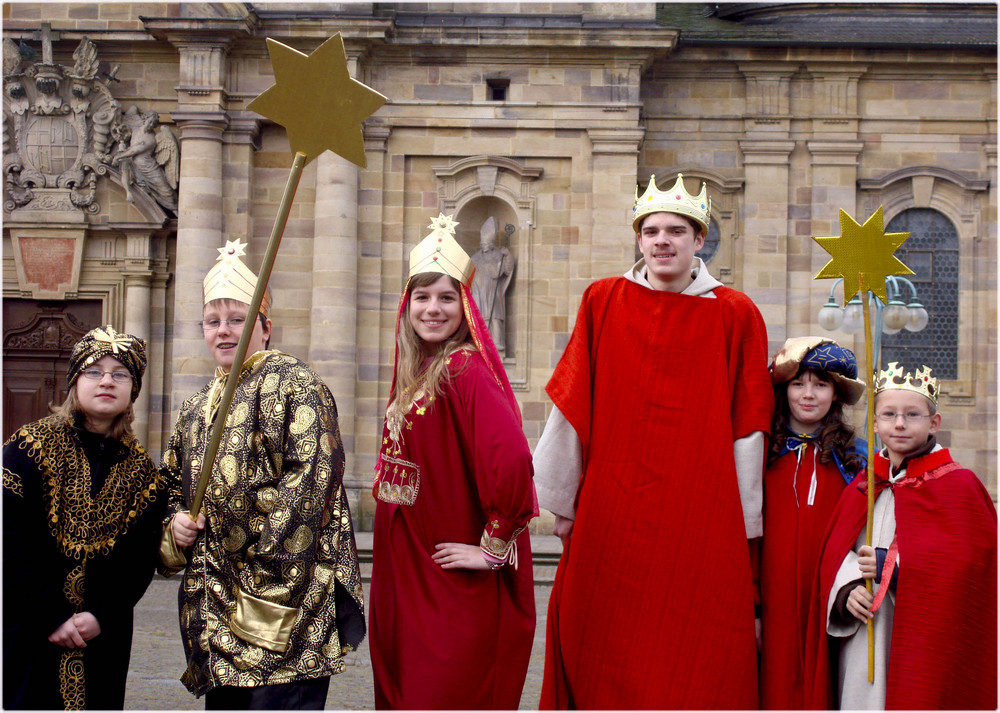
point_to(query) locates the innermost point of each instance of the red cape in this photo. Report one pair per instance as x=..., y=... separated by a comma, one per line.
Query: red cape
x=944, y=636
x=652, y=606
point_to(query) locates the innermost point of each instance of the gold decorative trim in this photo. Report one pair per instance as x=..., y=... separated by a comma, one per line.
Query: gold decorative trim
x=397, y=481
x=72, y=684
x=12, y=483
x=81, y=524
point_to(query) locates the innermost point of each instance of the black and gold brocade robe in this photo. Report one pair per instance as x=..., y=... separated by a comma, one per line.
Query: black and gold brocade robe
x=272, y=589
x=81, y=527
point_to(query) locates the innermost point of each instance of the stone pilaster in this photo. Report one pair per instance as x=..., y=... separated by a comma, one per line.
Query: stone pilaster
x=834, y=169
x=615, y=154
x=765, y=224
x=199, y=235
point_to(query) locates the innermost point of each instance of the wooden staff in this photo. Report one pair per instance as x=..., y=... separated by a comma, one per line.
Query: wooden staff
x=870, y=398
x=322, y=108
x=863, y=256
x=233, y=377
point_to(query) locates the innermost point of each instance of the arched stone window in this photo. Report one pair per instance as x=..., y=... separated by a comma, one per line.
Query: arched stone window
x=711, y=245
x=932, y=252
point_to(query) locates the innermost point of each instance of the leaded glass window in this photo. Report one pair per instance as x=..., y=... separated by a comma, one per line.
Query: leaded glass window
x=931, y=252
x=711, y=245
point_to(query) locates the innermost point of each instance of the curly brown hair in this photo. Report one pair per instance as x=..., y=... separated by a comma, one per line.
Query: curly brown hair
x=835, y=436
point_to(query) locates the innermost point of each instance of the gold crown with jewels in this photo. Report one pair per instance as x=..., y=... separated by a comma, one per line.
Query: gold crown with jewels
x=440, y=252
x=920, y=382
x=676, y=200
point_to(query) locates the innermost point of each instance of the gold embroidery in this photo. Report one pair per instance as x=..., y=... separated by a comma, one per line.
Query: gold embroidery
x=496, y=546
x=12, y=482
x=81, y=524
x=72, y=685
x=75, y=586
x=397, y=481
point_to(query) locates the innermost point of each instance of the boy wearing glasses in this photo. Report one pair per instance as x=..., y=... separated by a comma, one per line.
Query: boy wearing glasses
x=933, y=567
x=271, y=599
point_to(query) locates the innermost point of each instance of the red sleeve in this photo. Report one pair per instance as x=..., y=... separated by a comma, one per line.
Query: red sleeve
x=753, y=396
x=571, y=385
x=500, y=454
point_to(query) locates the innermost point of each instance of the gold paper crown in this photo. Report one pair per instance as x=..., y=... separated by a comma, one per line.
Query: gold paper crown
x=920, y=382
x=230, y=279
x=676, y=200
x=440, y=252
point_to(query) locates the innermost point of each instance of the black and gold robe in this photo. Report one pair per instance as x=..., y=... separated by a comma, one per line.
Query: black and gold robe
x=81, y=527
x=271, y=592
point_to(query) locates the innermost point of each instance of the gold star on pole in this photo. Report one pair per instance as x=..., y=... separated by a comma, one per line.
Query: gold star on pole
x=863, y=255
x=317, y=101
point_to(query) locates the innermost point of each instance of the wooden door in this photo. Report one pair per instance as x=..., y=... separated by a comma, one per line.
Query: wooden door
x=38, y=337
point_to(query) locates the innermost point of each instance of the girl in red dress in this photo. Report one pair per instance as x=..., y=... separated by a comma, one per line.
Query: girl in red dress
x=812, y=455
x=452, y=599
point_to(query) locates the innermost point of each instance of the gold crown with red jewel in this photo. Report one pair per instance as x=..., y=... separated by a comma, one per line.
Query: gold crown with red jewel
x=920, y=382
x=440, y=252
x=676, y=200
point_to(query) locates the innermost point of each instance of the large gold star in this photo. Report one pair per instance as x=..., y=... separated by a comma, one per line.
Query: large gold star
x=863, y=255
x=317, y=101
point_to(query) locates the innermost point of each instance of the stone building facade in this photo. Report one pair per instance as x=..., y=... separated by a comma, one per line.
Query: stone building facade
x=544, y=116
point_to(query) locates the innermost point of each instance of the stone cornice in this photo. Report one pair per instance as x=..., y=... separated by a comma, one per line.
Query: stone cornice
x=968, y=184
x=211, y=30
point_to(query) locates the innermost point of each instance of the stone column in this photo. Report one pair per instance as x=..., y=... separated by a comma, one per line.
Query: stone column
x=369, y=403
x=199, y=235
x=138, y=283
x=333, y=319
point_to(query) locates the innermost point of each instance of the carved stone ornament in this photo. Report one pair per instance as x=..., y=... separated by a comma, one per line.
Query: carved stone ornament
x=62, y=128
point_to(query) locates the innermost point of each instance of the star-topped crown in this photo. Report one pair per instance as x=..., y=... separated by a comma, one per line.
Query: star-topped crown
x=921, y=382
x=676, y=200
x=230, y=279
x=440, y=252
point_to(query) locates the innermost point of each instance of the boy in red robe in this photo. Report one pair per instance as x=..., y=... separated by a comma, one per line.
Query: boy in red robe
x=651, y=461
x=933, y=566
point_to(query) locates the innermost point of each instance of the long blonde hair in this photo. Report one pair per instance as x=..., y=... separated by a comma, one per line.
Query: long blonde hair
x=412, y=379
x=66, y=413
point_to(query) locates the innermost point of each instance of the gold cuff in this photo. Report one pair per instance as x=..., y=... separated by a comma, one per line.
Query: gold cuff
x=171, y=555
x=263, y=623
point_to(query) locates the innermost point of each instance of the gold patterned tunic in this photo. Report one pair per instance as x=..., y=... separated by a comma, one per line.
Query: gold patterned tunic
x=272, y=589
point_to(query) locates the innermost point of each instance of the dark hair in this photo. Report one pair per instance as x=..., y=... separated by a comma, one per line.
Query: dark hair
x=835, y=436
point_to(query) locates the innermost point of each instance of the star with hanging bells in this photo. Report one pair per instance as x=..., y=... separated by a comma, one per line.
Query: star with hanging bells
x=317, y=101
x=863, y=255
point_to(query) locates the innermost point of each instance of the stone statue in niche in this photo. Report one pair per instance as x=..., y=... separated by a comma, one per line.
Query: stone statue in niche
x=147, y=158
x=494, y=271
